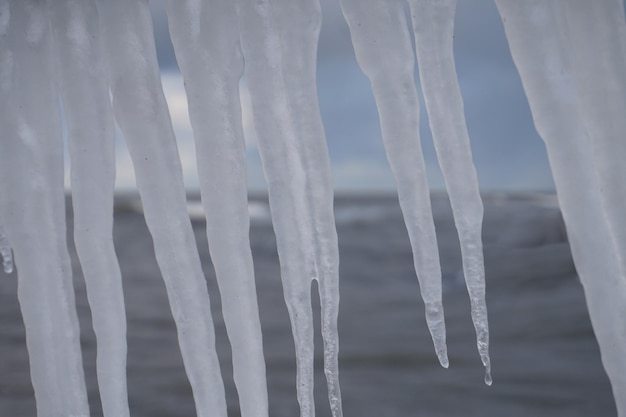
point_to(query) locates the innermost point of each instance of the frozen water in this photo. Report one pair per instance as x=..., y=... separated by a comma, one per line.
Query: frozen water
x=91, y=141
x=5, y=252
x=141, y=112
x=571, y=55
x=279, y=44
x=549, y=64
x=206, y=41
x=383, y=49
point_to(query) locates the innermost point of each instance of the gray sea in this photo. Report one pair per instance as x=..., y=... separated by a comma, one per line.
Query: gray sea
x=544, y=355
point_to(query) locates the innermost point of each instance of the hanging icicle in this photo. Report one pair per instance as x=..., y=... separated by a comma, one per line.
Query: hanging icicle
x=433, y=24
x=91, y=141
x=279, y=43
x=141, y=112
x=206, y=39
x=383, y=49
x=543, y=50
x=33, y=208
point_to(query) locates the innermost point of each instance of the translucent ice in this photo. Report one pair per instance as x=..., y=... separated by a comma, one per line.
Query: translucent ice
x=5, y=252
x=383, y=49
x=206, y=39
x=549, y=63
x=279, y=43
x=91, y=141
x=141, y=112
x=33, y=208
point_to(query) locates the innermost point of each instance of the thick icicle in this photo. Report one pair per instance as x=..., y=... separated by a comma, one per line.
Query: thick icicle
x=544, y=67
x=206, y=40
x=279, y=43
x=5, y=252
x=31, y=153
x=383, y=49
x=593, y=34
x=91, y=137
x=141, y=112
x=433, y=24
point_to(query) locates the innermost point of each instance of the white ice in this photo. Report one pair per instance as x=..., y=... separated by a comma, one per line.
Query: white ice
x=91, y=142
x=279, y=44
x=383, y=49
x=433, y=24
x=571, y=55
x=141, y=112
x=5, y=252
x=548, y=62
x=206, y=40
x=33, y=208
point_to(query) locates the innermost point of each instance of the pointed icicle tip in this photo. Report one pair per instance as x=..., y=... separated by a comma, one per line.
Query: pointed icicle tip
x=443, y=360
x=488, y=379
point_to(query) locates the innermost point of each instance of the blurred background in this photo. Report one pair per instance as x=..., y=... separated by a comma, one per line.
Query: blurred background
x=544, y=354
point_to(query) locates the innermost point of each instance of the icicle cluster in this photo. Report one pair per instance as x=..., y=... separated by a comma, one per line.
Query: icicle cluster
x=98, y=59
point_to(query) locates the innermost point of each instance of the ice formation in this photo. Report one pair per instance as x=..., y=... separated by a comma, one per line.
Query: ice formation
x=66, y=60
x=5, y=252
x=384, y=51
x=206, y=40
x=571, y=59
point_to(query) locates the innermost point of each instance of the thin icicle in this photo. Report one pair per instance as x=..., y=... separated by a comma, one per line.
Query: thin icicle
x=433, y=24
x=5, y=252
x=206, y=40
x=91, y=137
x=544, y=66
x=34, y=215
x=383, y=49
x=141, y=112
x=279, y=43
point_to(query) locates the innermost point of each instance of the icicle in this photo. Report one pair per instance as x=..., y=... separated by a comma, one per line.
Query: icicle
x=141, y=112
x=206, y=40
x=544, y=66
x=279, y=43
x=593, y=35
x=383, y=49
x=91, y=136
x=5, y=252
x=34, y=215
x=433, y=23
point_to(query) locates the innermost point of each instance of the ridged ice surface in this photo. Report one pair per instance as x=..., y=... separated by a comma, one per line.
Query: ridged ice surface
x=142, y=115
x=279, y=44
x=206, y=40
x=91, y=142
x=33, y=208
x=547, y=60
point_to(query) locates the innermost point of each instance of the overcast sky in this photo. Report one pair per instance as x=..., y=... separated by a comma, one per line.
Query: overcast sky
x=507, y=151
